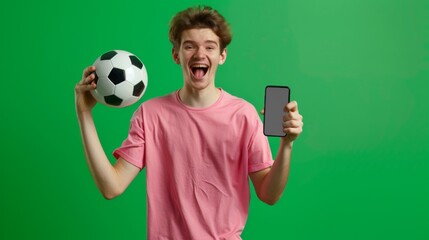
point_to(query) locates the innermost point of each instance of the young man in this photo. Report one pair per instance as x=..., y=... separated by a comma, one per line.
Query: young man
x=199, y=145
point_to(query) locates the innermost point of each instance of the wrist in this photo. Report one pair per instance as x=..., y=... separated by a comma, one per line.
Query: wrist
x=82, y=114
x=285, y=142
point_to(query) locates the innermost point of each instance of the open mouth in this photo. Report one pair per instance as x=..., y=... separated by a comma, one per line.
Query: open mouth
x=199, y=70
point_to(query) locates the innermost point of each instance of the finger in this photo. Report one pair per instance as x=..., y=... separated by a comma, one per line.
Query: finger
x=87, y=83
x=88, y=75
x=291, y=107
x=88, y=80
x=87, y=71
x=85, y=87
x=262, y=111
x=293, y=124
x=292, y=131
x=292, y=116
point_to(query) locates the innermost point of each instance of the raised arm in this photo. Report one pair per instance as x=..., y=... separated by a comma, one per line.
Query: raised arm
x=270, y=183
x=110, y=180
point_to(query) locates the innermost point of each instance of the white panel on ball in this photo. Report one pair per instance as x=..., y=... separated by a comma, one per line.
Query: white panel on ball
x=130, y=100
x=124, y=90
x=133, y=75
x=103, y=67
x=104, y=87
x=122, y=61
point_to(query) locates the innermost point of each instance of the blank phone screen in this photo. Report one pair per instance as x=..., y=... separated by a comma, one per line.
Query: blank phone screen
x=276, y=98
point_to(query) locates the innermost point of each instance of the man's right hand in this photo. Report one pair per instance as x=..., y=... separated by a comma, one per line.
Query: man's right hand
x=83, y=99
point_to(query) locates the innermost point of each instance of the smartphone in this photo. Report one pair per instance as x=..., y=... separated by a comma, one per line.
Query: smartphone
x=276, y=98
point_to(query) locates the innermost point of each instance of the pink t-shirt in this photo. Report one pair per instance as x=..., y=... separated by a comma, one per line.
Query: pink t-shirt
x=197, y=163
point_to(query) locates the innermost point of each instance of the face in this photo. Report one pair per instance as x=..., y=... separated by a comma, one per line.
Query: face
x=199, y=56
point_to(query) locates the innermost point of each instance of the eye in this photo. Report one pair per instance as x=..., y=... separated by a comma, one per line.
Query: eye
x=210, y=48
x=188, y=47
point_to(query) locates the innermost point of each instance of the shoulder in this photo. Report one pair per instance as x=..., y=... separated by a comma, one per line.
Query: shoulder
x=239, y=104
x=155, y=105
x=240, y=110
x=169, y=98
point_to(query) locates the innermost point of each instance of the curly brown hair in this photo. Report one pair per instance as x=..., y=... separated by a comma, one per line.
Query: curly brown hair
x=199, y=17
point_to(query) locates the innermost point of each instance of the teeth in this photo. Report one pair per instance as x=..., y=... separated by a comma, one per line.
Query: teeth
x=199, y=66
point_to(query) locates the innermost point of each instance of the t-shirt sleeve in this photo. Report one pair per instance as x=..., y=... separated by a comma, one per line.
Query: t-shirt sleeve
x=133, y=147
x=259, y=150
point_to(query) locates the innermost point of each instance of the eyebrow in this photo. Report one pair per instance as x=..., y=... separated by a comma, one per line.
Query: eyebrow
x=193, y=42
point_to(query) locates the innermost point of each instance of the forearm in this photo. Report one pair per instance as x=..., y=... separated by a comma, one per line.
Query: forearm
x=275, y=181
x=101, y=169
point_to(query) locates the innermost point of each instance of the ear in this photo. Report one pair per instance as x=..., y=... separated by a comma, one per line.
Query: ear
x=222, y=58
x=175, y=56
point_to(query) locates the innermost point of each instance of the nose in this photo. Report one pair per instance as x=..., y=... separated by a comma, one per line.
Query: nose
x=199, y=53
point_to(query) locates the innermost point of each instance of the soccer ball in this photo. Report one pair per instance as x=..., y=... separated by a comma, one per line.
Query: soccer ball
x=121, y=79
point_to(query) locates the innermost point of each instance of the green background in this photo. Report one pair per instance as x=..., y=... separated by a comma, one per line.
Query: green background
x=359, y=70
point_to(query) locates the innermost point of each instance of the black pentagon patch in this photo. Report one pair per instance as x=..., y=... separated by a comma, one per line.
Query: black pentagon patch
x=117, y=76
x=108, y=55
x=113, y=100
x=136, y=62
x=138, y=89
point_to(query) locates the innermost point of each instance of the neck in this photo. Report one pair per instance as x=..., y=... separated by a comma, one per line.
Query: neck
x=199, y=98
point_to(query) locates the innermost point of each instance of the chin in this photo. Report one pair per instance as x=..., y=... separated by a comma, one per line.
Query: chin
x=200, y=86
